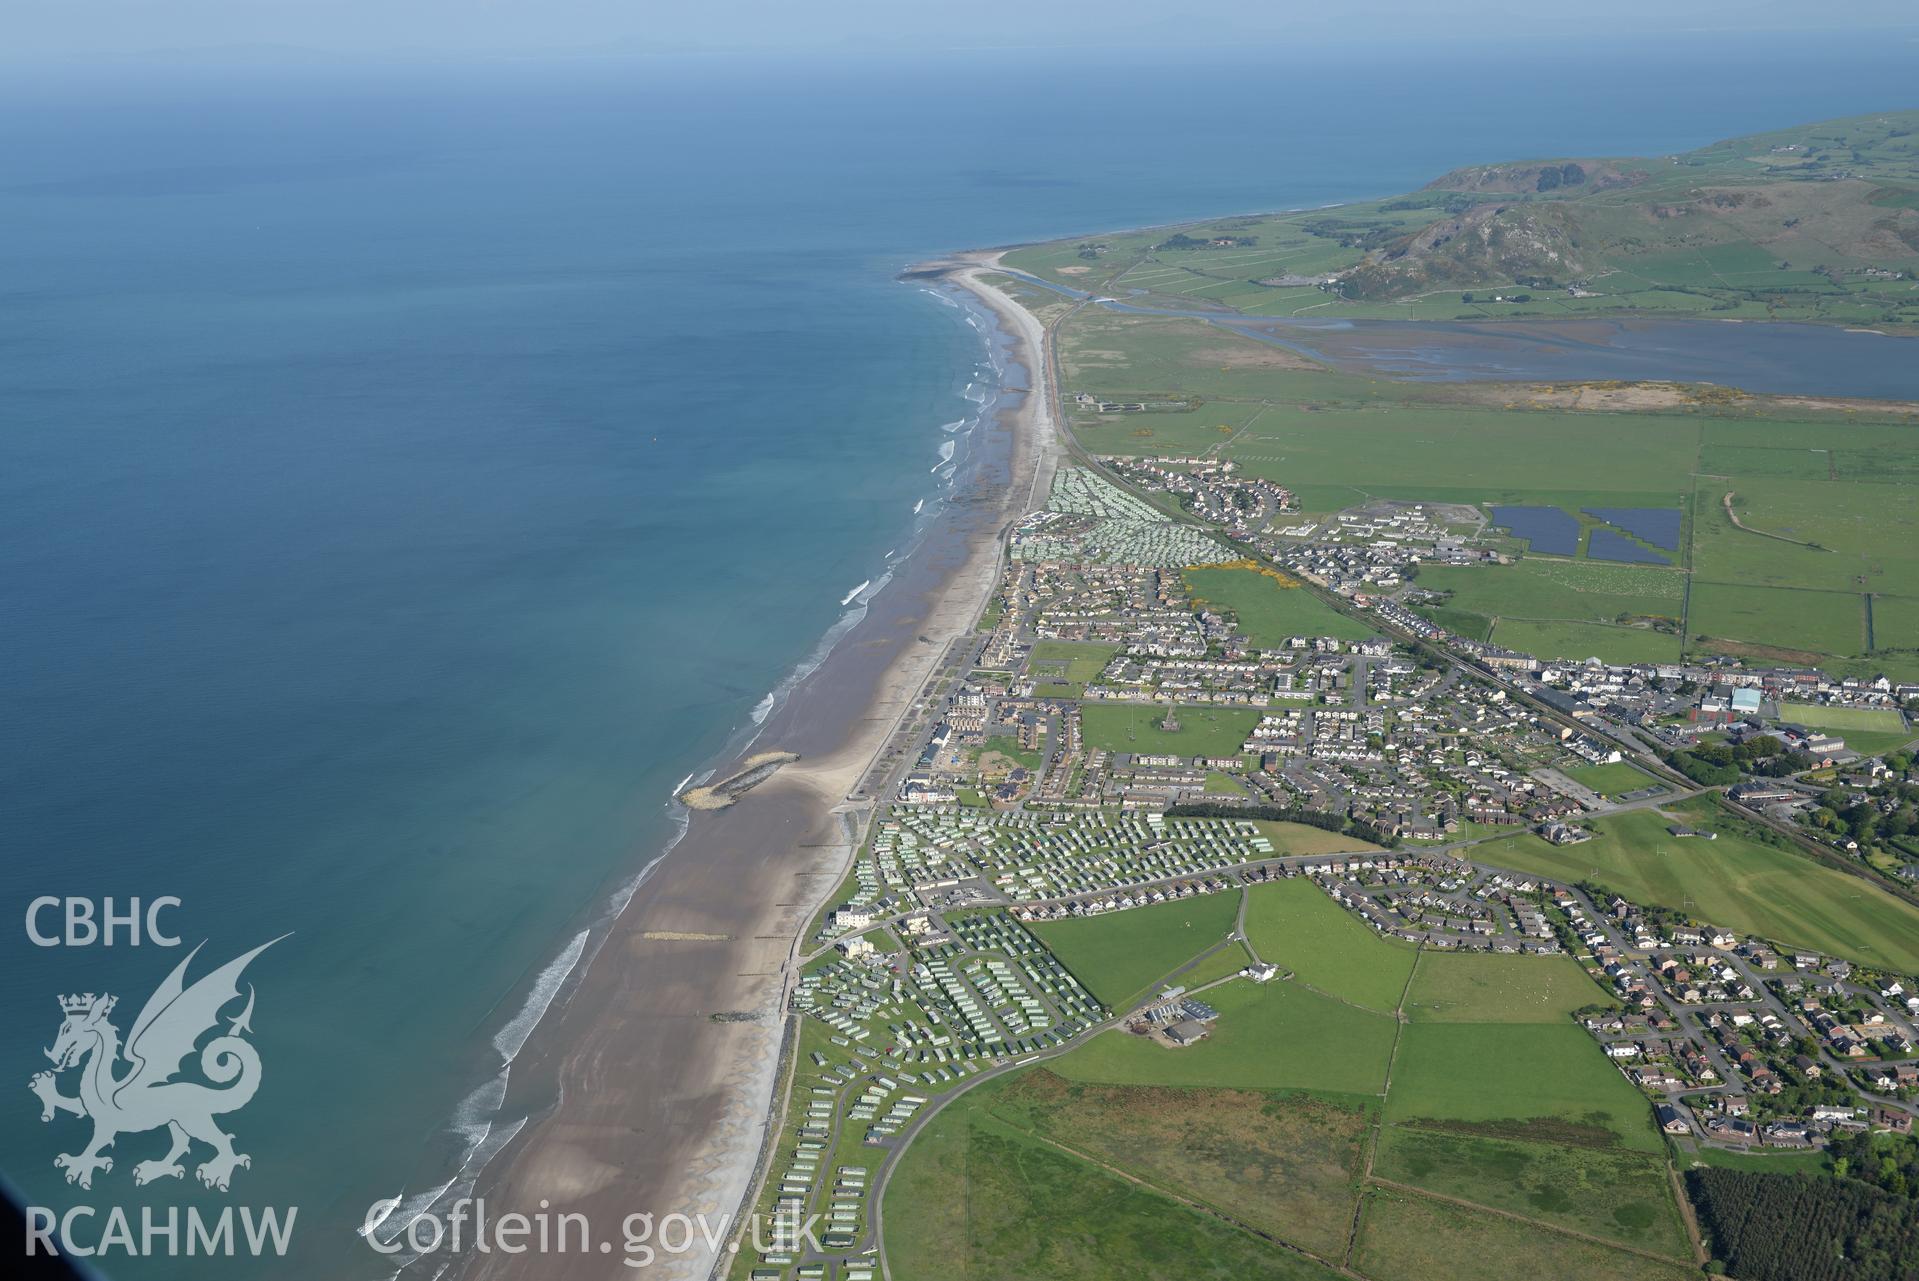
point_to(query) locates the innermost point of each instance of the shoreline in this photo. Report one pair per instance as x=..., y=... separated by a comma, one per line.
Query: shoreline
x=662, y=1104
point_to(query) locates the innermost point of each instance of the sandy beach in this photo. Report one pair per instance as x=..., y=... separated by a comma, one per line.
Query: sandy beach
x=666, y=1055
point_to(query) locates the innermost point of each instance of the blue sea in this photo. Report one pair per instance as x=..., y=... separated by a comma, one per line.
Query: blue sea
x=410, y=474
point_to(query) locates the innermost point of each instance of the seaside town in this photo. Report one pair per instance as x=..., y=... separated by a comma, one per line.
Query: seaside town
x=1369, y=734
x=1132, y=727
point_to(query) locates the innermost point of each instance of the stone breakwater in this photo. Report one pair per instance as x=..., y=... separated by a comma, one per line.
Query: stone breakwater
x=754, y=770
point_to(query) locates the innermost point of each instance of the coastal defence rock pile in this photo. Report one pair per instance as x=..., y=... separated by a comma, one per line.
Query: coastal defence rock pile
x=754, y=770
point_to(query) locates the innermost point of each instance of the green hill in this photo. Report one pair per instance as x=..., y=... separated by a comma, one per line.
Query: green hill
x=1819, y=222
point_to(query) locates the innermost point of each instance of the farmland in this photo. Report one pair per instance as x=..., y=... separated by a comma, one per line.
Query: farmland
x=962, y=1209
x=1732, y=230
x=1826, y=622
x=1269, y=613
x=1497, y=1100
x=1579, y=591
x=1619, y=1195
x=1741, y=880
x=1414, y=1238
x=1119, y=955
x=1224, y=963
x=1269, y=1037
x=1285, y=1164
x=1470, y=454
x=1380, y=1110
x=1759, y=591
x=1524, y=1079
x=1490, y=987
x=1826, y=567
x=1586, y=640
x=1293, y=924
x=1564, y=608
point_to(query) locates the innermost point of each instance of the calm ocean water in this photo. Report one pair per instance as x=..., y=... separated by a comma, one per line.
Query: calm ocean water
x=406, y=478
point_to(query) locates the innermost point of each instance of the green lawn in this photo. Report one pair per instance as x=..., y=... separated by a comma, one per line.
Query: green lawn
x=1269, y=1036
x=1135, y=729
x=1083, y=662
x=848, y=886
x=1120, y=955
x=1269, y=613
x=1613, y=779
x=1492, y=987
x=1293, y=924
x=1743, y=880
x=1540, y=1082
x=1763, y=1162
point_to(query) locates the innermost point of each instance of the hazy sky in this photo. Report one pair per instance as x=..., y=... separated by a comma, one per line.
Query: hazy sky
x=64, y=30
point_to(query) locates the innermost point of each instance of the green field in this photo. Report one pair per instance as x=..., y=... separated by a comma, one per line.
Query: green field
x=1865, y=729
x=1301, y=838
x=1269, y=1036
x=1734, y=230
x=1406, y=1237
x=1618, y=1195
x=1563, y=590
x=1269, y=613
x=977, y=1199
x=1222, y=964
x=1742, y=880
x=1586, y=640
x=1474, y=454
x=1493, y=987
x=1507, y=1146
x=1830, y=492
x=1498, y=1098
x=1895, y=636
x=1294, y=925
x=1072, y=661
x=1863, y=536
x=1543, y=1082
x=1120, y=955
x=1284, y=1164
x=1613, y=779
x=1563, y=608
x=1823, y=622
x=1845, y=483
x=1844, y=720
x=1135, y=729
